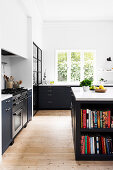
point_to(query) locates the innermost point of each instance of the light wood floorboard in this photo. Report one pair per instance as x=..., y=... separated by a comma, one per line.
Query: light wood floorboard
x=47, y=144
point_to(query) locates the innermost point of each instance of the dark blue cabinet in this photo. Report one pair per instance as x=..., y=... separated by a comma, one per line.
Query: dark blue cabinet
x=6, y=123
x=29, y=117
x=54, y=97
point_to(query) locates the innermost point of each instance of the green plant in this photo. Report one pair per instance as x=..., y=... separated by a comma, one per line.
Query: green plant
x=85, y=82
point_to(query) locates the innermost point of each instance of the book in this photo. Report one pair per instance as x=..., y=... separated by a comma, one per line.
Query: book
x=93, y=143
x=102, y=142
x=101, y=123
x=82, y=144
x=89, y=119
x=97, y=145
x=98, y=118
x=104, y=115
x=107, y=146
x=81, y=119
x=95, y=119
x=104, y=145
x=84, y=118
x=85, y=144
x=109, y=114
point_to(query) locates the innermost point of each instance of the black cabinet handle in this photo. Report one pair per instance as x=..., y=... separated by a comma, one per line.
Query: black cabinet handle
x=50, y=102
x=7, y=109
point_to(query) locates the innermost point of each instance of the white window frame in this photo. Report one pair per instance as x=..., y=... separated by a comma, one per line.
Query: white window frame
x=69, y=66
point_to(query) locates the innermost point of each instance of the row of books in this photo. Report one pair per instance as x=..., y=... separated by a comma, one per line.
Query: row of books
x=96, y=119
x=96, y=145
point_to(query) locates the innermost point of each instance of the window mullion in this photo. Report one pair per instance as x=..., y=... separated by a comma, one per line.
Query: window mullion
x=68, y=66
x=82, y=65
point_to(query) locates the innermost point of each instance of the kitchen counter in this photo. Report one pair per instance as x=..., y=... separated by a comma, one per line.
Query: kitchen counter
x=72, y=85
x=91, y=95
x=5, y=96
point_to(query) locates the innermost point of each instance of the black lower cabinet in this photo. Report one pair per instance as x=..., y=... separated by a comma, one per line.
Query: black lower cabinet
x=54, y=97
x=6, y=123
x=35, y=99
x=29, y=106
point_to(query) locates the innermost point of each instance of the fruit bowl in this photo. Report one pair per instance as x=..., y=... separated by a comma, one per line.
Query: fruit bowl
x=100, y=90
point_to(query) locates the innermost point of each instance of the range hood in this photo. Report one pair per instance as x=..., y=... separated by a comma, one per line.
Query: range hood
x=4, y=52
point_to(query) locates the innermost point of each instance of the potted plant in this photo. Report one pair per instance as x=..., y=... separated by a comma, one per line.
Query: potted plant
x=85, y=84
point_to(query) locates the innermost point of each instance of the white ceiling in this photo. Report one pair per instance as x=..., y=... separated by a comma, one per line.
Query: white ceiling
x=69, y=10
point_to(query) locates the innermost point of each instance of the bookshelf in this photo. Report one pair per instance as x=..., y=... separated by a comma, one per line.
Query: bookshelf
x=78, y=131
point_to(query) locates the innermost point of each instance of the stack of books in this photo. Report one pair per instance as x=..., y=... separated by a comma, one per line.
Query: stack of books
x=95, y=119
x=96, y=145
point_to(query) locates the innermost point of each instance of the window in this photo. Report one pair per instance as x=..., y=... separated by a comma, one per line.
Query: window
x=75, y=65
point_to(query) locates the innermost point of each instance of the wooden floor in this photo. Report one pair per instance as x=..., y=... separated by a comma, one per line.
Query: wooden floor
x=46, y=144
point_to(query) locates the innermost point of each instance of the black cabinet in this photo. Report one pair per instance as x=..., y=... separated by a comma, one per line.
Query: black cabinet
x=29, y=111
x=54, y=97
x=6, y=123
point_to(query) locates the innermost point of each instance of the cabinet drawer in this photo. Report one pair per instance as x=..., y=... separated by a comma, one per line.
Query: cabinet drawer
x=7, y=103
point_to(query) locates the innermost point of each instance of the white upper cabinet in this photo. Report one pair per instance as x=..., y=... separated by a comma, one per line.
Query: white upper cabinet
x=14, y=28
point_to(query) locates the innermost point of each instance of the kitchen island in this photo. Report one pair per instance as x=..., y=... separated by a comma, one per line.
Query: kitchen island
x=87, y=107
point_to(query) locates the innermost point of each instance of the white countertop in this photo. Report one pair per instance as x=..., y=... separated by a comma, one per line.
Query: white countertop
x=65, y=84
x=5, y=96
x=91, y=95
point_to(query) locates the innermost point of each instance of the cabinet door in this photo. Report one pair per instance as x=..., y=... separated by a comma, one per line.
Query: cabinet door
x=6, y=125
x=29, y=108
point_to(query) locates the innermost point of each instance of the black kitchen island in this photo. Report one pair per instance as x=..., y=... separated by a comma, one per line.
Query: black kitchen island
x=91, y=135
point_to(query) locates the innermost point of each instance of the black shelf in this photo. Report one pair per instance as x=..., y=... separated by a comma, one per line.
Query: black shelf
x=95, y=157
x=99, y=130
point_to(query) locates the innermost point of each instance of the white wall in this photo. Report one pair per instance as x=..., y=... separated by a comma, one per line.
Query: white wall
x=14, y=27
x=77, y=35
x=5, y=69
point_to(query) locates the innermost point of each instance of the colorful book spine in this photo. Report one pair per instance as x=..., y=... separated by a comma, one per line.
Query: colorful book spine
x=82, y=144
x=93, y=143
x=89, y=119
x=85, y=144
x=97, y=145
x=98, y=118
x=101, y=120
x=84, y=118
x=109, y=115
x=81, y=119
x=95, y=119
x=107, y=147
x=102, y=142
x=104, y=119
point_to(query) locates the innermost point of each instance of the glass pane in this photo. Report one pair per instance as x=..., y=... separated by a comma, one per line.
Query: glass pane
x=75, y=66
x=39, y=66
x=34, y=78
x=62, y=66
x=39, y=54
x=34, y=64
x=34, y=51
x=89, y=65
x=39, y=78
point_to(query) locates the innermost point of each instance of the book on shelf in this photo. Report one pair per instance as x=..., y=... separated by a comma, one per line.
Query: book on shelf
x=96, y=145
x=96, y=119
